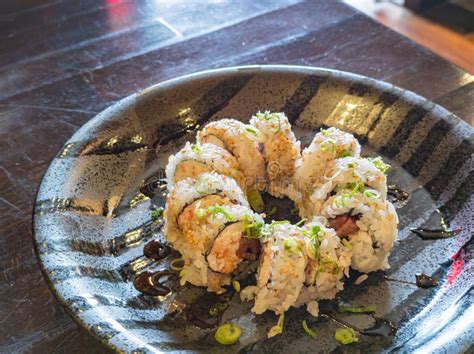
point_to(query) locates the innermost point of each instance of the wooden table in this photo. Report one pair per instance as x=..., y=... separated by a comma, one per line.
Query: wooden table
x=63, y=62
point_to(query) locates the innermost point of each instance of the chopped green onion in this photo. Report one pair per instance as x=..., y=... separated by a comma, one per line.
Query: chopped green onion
x=177, y=264
x=308, y=331
x=227, y=333
x=253, y=228
x=315, y=233
x=251, y=130
x=335, y=267
x=236, y=285
x=365, y=309
x=156, y=213
x=379, y=164
x=215, y=209
x=301, y=222
x=352, y=164
x=326, y=132
x=272, y=211
x=267, y=116
x=256, y=201
x=328, y=145
x=371, y=193
x=294, y=211
x=347, y=244
x=345, y=336
x=196, y=149
x=278, y=328
x=291, y=245
x=345, y=153
x=215, y=309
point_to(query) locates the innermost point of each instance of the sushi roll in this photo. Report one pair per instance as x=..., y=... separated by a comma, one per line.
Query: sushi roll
x=195, y=159
x=328, y=263
x=206, y=220
x=281, y=150
x=281, y=273
x=347, y=173
x=354, y=201
x=244, y=143
x=327, y=145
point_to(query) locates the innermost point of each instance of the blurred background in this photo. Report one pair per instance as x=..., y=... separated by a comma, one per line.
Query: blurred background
x=444, y=26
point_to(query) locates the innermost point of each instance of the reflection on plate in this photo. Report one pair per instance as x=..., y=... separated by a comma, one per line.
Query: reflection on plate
x=92, y=214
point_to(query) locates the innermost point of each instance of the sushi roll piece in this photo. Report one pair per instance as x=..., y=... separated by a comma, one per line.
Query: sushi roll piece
x=195, y=159
x=235, y=241
x=244, y=143
x=327, y=145
x=207, y=220
x=347, y=173
x=281, y=273
x=357, y=209
x=281, y=150
x=181, y=221
x=328, y=263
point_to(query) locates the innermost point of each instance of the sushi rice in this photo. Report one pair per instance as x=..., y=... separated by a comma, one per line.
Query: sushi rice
x=281, y=150
x=195, y=159
x=243, y=142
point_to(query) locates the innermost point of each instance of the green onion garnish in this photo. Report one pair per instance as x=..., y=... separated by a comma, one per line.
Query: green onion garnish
x=291, y=245
x=272, y=211
x=301, y=222
x=347, y=244
x=280, y=222
x=345, y=336
x=365, y=309
x=216, y=308
x=196, y=149
x=294, y=211
x=253, y=228
x=256, y=201
x=278, y=329
x=345, y=153
x=370, y=193
x=267, y=116
x=378, y=162
x=156, y=213
x=227, y=333
x=251, y=130
x=335, y=267
x=215, y=209
x=177, y=264
x=328, y=145
x=352, y=165
x=236, y=286
x=308, y=331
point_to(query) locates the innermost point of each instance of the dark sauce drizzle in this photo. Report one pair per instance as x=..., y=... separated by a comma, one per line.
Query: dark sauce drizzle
x=434, y=234
x=422, y=281
x=381, y=328
x=398, y=196
x=207, y=310
x=156, y=250
x=150, y=283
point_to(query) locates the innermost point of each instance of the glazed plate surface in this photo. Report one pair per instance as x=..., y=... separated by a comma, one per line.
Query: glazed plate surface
x=92, y=213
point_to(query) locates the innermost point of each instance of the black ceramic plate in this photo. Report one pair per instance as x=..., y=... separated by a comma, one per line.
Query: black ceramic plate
x=92, y=215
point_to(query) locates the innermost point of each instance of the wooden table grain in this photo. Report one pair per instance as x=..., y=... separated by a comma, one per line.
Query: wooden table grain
x=61, y=62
